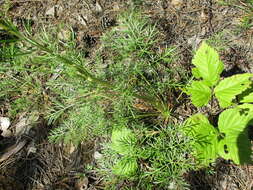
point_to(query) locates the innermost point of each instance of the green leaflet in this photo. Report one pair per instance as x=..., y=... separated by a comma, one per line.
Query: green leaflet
x=230, y=87
x=195, y=73
x=209, y=67
x=248, y=98
x=123, y=141
x=238, y=150
x=200, y=93
x=126, y=166
x=233, y=124
x=247, y=108
x=197, y=118
x=206, y=138
x=208, y=64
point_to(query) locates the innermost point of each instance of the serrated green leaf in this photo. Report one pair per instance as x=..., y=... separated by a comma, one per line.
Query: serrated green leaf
x=126, y=167
x=208, y=64
x=123, y=141
x=235, y=145
x=205, y=136
x=200, y=93
x=195, y=73
x=238, y=151
x=197, y=119
x=247, y=99
x=248, y=109
x=230, y=87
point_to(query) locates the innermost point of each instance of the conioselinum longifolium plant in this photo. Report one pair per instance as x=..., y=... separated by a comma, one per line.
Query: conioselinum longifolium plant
x=229, y=139
x=151, y=159
x=88, y=99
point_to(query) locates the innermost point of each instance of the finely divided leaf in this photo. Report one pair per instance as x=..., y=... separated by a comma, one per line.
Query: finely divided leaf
x=127, y=167
x=205, y=136
x=208, y=64
x=230, y=87
x=123, y=141
x=200, y=93
x=235, y=145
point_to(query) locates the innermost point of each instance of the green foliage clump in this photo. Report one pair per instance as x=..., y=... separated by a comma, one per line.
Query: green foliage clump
x=230, y=140
x=208, y=69
x=153, y=159
x=22, y=74
x=138, y=64
x=83, y=123
x=134, y=35
x=167, y=157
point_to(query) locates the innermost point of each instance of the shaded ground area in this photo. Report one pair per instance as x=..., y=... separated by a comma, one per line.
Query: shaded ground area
x=40, y=165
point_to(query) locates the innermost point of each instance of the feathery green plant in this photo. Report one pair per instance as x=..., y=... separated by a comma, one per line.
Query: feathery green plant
x=89, y=98
x=85, y=122
x=149, y=158
x=80, y=68
x=133, y=36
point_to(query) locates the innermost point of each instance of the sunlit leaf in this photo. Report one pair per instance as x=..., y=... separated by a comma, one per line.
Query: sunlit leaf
x=208, y=64
x=236, y=145
x=248, y=98
x=200, y=93
x=205, y=136
x=230, y=87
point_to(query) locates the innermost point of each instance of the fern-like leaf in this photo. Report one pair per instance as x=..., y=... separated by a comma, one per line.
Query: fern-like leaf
x=126, y=167
x=123, y=141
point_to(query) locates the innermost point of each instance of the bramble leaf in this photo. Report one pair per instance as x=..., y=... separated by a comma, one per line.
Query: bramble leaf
x=198, y=118
x=205, y=136
x=248, y=98
x=230, y=87
x=195, y=73
x=233, y=124
x=200, y=93
x=127, y=166
x=123, y=141
x=208, y=64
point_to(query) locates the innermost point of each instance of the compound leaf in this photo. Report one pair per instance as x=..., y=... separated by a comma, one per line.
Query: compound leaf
x=123, y=141
x=230, y=87
x=205, y=136
x=233, y=124
x=208, y=64
x=200, y=93
x=126, y=167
